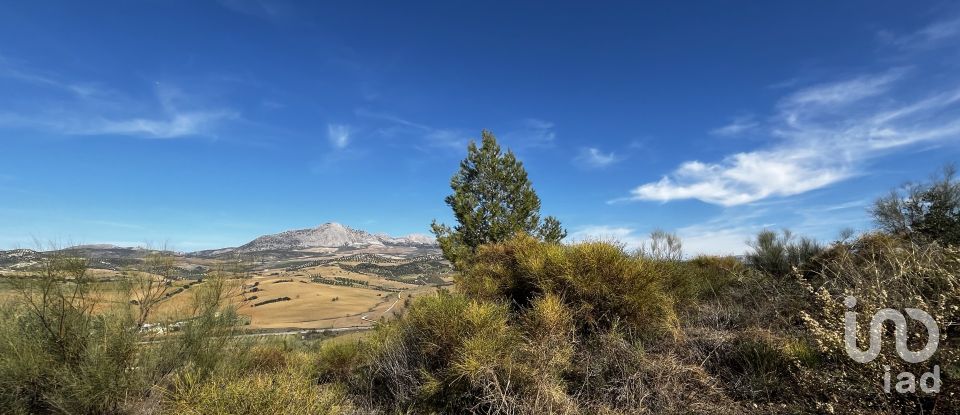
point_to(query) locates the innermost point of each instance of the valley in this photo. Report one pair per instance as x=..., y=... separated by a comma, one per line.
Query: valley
x=328, y=277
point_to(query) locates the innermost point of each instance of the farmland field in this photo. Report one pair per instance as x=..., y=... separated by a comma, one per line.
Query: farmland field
x=297, y=293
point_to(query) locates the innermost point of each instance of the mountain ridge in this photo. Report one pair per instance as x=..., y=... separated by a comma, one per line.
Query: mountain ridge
x=327, y=235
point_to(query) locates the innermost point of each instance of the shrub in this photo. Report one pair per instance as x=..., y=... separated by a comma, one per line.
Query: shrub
x=265, y=358
x=713, y=274
x=447, y=353
x=598, y=281
x=662, y=246
x=614, y=375
x=924, y=211
x=256, y=394
x=540, y=328
x=754, y=364
x=57, y=354
x=63, y=351
x=777, y=254
x=335, y=361
x=881, y=271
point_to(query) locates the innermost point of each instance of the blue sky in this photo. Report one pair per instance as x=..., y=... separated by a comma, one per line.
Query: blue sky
x=204, y=124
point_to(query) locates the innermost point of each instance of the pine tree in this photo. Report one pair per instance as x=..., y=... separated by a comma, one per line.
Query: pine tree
x=492, y=200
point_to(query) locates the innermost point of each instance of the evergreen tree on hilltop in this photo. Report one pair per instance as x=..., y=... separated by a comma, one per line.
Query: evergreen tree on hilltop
x=492, y=200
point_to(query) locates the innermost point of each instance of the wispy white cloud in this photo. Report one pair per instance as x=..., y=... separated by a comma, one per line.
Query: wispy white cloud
x=449, y=138
x=822, y=135
x=740, y=125
x=723, y=241
x=176, y=124
x=170, y=125
x=594, y=158
x=823, y=96
x=744, y=178
x=15, y=70
x=391, y=118
x=532, y=133
x=930, y=36
x=88, y=108
x=339, y=135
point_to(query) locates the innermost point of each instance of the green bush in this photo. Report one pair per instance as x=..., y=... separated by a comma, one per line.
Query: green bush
x=778, y=254
x=335, y=361
x=598, y=281
x=57, y=354
x=444, y=355
x=64, y=350
x=259, y=393
x=924, y=212
x=711, y=275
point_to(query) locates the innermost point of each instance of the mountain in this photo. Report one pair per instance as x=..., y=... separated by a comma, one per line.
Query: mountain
x=416, y=239
x=331, y=235
x=281, y=245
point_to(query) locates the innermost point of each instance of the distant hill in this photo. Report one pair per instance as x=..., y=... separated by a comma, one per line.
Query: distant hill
x=19, y=258
x=279, y=246
x=329, y=235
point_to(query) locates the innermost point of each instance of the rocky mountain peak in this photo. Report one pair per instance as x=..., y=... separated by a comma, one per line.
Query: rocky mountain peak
x=330, y=235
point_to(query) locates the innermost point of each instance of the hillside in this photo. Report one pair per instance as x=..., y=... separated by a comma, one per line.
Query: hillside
x=327, y=235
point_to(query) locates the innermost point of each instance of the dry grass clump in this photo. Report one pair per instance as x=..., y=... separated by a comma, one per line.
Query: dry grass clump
x=614, y=375
x=447, y=353
x=757, y=364
x=336, y=360
x=257, y=393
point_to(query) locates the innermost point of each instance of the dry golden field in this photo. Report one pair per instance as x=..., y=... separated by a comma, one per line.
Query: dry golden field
x=325, y=295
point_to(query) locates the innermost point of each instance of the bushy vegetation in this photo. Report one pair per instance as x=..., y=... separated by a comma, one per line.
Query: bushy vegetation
x=882, y=271
x=600, y=283
x=261, y=379
x=539, y=327
x=779, y=254
x=923, y=212
x=65, y=349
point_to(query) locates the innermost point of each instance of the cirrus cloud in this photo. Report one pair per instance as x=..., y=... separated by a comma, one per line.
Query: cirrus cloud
x=339, y=135
x=822, y=135
x=85, y=108
x=592, y=157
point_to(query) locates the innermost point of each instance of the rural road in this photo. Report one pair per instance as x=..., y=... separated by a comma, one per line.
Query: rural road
x=283, y=333
x=298, y=331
